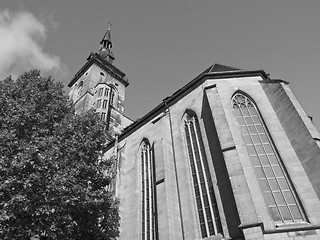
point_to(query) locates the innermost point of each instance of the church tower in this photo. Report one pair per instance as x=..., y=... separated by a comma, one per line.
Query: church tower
x=101, y=85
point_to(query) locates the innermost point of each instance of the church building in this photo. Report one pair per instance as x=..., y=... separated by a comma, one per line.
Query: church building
x=230, y=155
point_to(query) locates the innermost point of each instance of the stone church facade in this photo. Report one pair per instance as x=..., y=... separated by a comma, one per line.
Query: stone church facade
x=231, y=155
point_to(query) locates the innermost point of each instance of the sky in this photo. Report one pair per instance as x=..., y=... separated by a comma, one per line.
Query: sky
x=163, y=44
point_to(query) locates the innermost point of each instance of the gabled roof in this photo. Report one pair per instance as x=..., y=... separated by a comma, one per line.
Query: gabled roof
x=215, y=71
x=221, y=68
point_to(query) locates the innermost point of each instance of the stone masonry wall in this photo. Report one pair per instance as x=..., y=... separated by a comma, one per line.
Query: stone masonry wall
x=301, y=132
x=242, y=209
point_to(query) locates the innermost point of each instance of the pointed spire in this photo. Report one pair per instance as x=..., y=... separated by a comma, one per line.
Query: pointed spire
x=106, y=45
x=106, y=40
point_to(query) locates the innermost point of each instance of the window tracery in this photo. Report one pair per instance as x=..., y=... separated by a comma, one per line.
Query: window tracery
x=147, y=189
x=208, y=214
x=274, y=183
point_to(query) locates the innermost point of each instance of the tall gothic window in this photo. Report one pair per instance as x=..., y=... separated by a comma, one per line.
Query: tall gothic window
x=148, y=198
x=271, y=174
x=206, y=203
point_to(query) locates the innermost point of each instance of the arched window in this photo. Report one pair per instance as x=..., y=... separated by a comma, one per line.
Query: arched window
x=147, y=189
x=274, y=182
x=112, y=94
x=208, y=213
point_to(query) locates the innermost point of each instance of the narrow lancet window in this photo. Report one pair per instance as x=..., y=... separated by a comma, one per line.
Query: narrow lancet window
x=111, y=96
x=205, y=200
x=148, y=198
x=274, y=182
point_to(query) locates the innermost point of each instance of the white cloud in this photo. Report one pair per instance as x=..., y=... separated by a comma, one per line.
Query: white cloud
x=22, y=36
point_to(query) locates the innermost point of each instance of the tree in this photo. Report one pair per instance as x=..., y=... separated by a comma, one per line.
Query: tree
x=52, y=181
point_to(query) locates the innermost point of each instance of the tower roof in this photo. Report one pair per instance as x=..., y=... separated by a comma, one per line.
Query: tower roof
x=106, y=38
x=105, y=47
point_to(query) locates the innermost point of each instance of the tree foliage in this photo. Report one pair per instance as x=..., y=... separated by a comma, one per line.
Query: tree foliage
x=52, y=181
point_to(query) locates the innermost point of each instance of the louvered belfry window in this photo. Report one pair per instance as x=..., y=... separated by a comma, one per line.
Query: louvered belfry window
x=275, y=185
x=205, y=200
x=148, y=206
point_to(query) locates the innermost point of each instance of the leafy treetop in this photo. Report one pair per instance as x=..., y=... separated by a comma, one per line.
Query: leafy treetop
x=52, y=181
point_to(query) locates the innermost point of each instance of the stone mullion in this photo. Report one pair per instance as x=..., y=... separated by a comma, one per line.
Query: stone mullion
x=279, y=164
x=265, y=132
x=145, y=196
x=248, y=103
x=148, y=159
x=254, y=145
x=198, y=179
x=205, y=179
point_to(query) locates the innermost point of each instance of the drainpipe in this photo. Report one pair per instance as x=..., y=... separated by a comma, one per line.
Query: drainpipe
x=165, y=101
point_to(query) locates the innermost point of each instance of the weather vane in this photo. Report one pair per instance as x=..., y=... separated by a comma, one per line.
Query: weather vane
x=110, y=25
